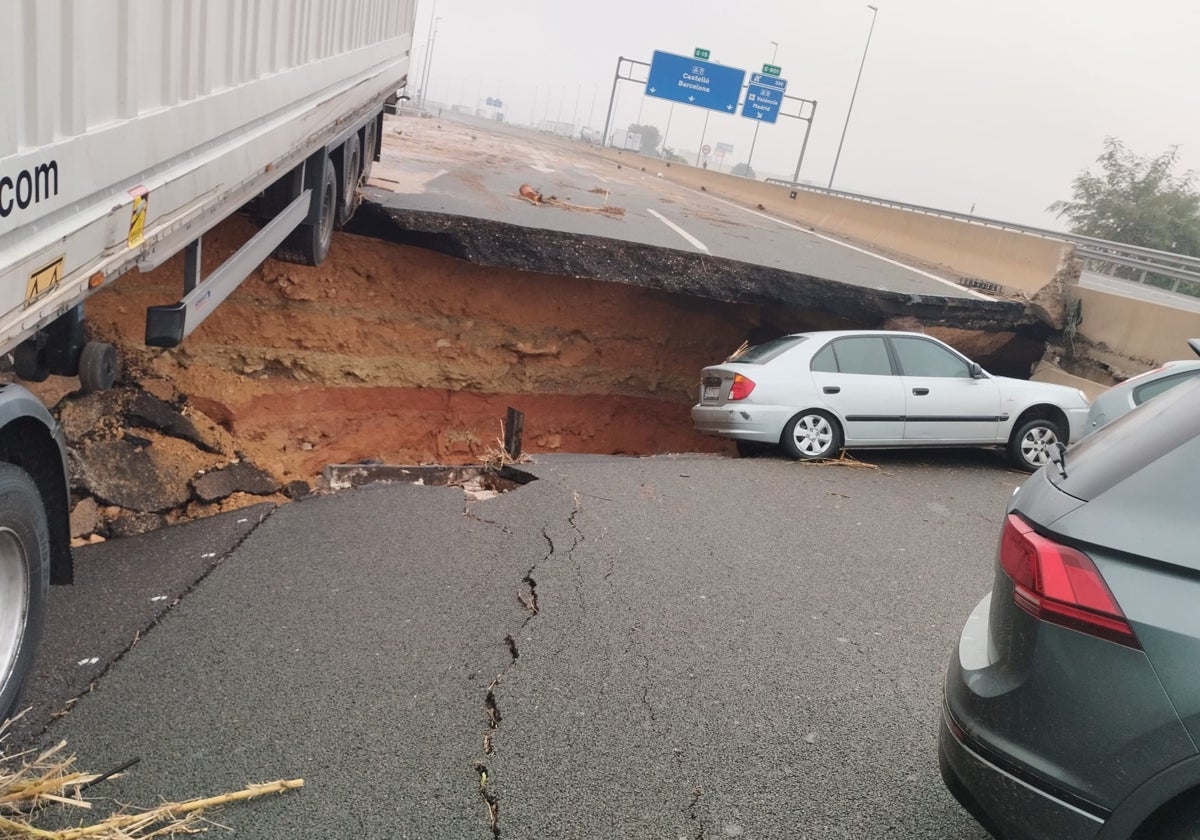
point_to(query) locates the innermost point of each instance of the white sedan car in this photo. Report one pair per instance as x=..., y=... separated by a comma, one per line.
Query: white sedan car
x=816, y=393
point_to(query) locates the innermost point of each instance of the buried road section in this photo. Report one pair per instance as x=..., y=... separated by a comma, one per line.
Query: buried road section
x=680, y=646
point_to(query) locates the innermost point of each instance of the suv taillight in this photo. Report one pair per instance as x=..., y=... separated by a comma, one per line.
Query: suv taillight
x=741, y=387
x=1061, y=585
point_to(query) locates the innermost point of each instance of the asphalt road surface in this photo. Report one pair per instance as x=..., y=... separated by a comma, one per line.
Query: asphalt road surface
x=720, y=648
x=477, y=174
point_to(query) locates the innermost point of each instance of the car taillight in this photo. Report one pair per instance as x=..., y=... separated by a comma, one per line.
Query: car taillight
x=741, y=387
x=1061, y=585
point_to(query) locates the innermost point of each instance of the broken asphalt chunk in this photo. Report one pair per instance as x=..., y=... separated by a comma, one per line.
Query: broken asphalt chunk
x=242, y=477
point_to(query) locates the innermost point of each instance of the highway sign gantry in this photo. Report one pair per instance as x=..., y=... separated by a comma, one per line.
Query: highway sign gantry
x=704, y=84
x=764, y=96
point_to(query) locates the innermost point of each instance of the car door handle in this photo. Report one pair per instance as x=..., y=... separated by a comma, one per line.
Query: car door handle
x=832, y=389
x=920, y=392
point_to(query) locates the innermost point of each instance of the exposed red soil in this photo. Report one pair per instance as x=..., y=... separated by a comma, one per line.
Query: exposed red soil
x=406, y=356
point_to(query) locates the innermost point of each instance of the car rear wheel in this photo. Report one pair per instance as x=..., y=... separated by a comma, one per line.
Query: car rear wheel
x=811, y=436
x=1033, y=444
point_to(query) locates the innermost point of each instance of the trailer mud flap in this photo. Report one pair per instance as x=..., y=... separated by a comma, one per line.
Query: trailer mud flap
x=169, y=324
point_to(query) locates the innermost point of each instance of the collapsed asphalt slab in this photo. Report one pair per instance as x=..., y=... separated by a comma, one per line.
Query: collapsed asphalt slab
x=503, y=245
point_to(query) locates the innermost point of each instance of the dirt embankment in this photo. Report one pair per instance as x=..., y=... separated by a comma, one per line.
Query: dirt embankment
x=402, y=355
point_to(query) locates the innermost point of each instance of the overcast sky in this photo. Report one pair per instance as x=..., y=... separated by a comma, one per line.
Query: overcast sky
x=996, y=104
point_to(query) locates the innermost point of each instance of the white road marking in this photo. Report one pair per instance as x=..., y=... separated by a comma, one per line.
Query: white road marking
x=678, y=230
x=897, y=263
x=594, y=172
x=540, y=168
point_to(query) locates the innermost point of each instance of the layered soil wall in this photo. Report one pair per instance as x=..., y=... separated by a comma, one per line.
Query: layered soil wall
x=398, y=354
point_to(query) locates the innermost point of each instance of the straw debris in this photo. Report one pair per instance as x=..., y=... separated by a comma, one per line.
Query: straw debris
x=32, y=782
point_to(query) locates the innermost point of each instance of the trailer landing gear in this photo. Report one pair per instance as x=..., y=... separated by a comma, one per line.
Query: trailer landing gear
x=63, y=349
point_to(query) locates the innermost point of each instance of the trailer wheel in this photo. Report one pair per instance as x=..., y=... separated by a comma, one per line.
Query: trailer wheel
x=97, y=366
x=309, y=243
x=351, y=173
x=29, y=362
x=24, y=578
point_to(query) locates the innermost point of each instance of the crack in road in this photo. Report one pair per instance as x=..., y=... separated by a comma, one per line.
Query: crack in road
x=530, y=602
x=693, y=807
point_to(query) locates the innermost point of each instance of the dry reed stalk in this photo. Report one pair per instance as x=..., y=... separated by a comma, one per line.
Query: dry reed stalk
x=29, y=782
x=497, y=457
x=843, y=460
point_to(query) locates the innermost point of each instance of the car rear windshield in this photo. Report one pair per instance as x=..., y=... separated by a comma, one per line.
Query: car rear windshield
x=763, y=353
x=1118, y=450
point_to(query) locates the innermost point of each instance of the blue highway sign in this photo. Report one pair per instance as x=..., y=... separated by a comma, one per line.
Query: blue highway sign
x=692, y=82
x=764, y=96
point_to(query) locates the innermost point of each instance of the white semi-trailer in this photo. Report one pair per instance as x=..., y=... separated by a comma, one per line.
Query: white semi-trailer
x=127, y=130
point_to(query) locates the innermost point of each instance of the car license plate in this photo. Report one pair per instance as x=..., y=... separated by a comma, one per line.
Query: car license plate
x=712, y=392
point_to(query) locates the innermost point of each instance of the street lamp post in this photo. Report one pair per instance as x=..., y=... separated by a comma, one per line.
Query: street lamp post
x=863, y=63
x=428, y=49
x=429, y=60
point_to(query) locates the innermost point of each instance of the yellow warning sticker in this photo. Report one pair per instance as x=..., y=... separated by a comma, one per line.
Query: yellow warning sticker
x=137, y=221
x=43, y=280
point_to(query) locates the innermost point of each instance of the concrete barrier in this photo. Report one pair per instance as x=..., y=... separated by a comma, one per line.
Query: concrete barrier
x=1146, y=333
x=1020, y=262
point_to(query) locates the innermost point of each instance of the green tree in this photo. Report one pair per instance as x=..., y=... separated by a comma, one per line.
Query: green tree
x=744, y=170
x=671, y=155
x=651, y=137
x=1136, y=201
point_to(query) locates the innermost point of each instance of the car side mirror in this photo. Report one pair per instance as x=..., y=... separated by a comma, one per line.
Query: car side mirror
x=975, y=370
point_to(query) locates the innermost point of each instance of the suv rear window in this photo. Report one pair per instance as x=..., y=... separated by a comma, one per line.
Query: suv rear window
x=768, y=350
x=1123, y=447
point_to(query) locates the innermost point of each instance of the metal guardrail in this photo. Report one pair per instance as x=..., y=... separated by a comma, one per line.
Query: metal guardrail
x=1096, y=251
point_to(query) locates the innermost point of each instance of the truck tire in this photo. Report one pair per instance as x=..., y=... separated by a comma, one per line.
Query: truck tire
x=309, y=243
x=24, y=578
x=97, y=367
x=368, y=155
x=352, y=167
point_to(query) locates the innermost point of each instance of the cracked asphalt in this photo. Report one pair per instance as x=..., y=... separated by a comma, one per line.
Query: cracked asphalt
x=687, y=646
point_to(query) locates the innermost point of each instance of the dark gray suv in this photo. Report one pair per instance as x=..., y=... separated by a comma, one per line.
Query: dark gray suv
x=1072, y=704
